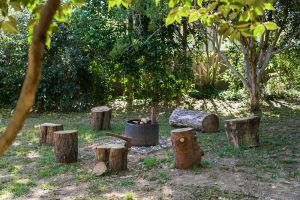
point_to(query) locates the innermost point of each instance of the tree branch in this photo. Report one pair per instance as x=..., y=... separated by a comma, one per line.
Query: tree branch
x=33, y=75
x=290, y=44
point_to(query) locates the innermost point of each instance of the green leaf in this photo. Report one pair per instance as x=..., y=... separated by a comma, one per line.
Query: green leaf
x=269, y=6
x=173, y=3
x=16, y=5
x=271, y=26
x=157, y=2
x=199, y=2
x=9, y=27
x=259, y=30
x=194, y=16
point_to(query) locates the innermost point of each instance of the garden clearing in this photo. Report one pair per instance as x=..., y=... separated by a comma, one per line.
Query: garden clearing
x=270, y=171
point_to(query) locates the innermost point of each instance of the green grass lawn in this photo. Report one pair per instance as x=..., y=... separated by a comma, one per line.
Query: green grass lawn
x=28, y=170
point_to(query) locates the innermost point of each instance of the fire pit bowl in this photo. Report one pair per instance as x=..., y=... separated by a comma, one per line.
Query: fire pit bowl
x=142, y=134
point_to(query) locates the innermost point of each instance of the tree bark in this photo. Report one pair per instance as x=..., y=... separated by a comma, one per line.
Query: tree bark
x=202, y=121
x=243, y=131
x=114, y=157
x=33, y=75
x=101, y=118
x=66, y=146
x=47, y=133
x=187, y=150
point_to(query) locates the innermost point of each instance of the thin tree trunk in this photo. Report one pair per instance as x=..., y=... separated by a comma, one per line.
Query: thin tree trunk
x=33, y=75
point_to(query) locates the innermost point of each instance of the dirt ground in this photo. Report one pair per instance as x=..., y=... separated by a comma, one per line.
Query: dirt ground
x=270, y=171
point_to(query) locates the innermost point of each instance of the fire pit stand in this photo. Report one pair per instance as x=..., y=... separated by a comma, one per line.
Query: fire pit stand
x=142, y=134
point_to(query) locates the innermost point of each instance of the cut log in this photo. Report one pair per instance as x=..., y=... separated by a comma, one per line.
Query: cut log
x=243, y=131
x=186, y=148
x=114, y=156
x=100, y=119
x=200, y=121
x=99, y=169
x=47, y=133
x=66, y=146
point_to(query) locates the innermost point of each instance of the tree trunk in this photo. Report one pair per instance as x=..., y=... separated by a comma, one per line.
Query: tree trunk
x=66, y=146
x=202, y=121
x=243, y=131
x=100, y=119
x=187, y=150
x=255, y=101
x=114, y=157
x=32, y=78
x=47, y=133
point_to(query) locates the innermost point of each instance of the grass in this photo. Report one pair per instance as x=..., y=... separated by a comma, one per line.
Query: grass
x=29, y=166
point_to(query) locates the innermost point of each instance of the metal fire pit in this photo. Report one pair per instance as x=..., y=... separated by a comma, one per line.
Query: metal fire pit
x=142, y=134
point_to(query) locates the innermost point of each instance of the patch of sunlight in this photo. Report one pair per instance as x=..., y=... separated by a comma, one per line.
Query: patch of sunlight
x=33, y=154
x=116, y=195
x=87, y=136
x=5, y=194
x=37, y=126
x=16, y=143
x=167, y=191
x=15, y=169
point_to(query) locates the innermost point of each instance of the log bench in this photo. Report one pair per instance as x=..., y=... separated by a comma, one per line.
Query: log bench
x=243, y=131
x=200, y=121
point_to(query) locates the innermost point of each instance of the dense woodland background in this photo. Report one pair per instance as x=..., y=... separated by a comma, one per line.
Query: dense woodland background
x=100, y=55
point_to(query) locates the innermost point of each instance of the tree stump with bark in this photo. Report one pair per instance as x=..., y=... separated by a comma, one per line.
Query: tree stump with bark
x=187, y=150
x=243, y=131
x=200, y=121
x=47, y=133
x=114, y=156
x=66, y=146
x=100, y=119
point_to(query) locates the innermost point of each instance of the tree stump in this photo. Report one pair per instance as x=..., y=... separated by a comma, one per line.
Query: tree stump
x=101, y=118
x=200, y=121
x=187, y=150
x=66, y=146
x=114, y=156
x=47, y=133
x=243, y=131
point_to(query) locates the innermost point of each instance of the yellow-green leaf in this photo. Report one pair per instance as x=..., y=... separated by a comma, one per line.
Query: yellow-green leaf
x=259, y=30
x=271, y=26
x=9, y=27
x=268, y=6
x=194, y=16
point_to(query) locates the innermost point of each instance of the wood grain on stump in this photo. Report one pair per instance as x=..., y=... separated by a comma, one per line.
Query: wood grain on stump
x=243, y=131
x=47, y=133
x=66, y=146
x=200, y=121
x=100, y=119
x=114, y=156
x=186, y=148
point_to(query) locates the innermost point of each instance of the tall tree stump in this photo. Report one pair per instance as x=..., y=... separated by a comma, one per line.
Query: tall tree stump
x=100, y=119
x=187, y=150
x=243, y=131
x=66, y=146
x=200, y=121
x=47, y=133
x=114, y=156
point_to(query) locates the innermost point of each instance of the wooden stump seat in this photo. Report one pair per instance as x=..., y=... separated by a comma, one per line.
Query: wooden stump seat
x=243, y=131
x=114, y=156
x=47, y=133
x=100, y=119
x=186, y=148
x=66, y=146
